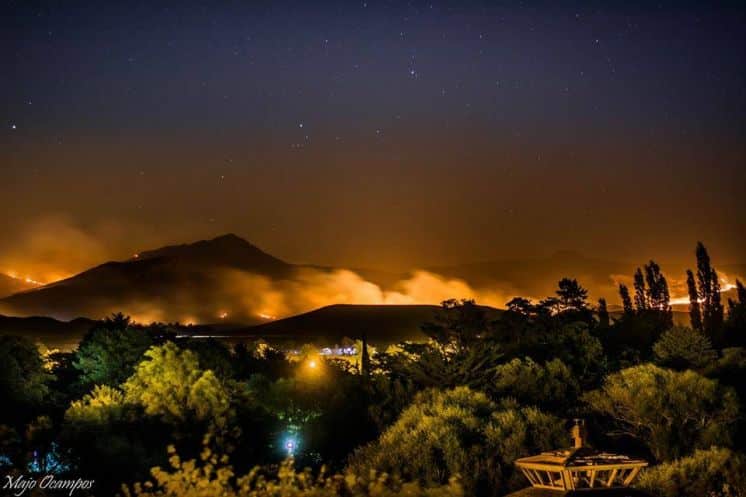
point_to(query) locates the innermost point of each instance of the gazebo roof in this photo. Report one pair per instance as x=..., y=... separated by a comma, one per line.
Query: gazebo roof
x=580, y=467
x=580, y=457
x=607, y=492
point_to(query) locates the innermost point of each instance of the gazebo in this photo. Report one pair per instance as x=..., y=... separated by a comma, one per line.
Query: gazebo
x=581, y=468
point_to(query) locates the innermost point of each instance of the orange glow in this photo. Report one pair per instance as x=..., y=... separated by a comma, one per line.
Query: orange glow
x=26, y=279
x=725, y=286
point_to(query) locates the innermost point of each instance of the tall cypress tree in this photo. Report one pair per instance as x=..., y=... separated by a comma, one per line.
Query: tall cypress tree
x=716, y=306
x=603, y=313
x=641, y=301
x=708, y=293
x=626, y=300
x=657, y=296
x=695, y=315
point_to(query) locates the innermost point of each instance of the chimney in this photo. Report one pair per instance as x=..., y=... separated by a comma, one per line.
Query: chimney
x=578, y=433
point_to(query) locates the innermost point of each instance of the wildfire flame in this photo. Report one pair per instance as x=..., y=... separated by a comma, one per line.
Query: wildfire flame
x=26, y=279
x=725, y=286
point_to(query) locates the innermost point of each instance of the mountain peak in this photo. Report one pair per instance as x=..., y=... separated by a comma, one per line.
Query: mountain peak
x=228, y=249
x=228, y=237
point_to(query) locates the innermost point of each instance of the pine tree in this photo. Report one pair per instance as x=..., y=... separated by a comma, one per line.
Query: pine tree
x=695, y=315
x=626, y=300
x=571, y=295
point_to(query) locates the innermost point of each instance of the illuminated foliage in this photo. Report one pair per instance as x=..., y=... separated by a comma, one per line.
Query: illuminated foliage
x=103, y=405
x=459, y=432
x=672, y=412
x=716, y=472
x=551, y=384
x=212, y=476
x=684, y=348
x=169, y=383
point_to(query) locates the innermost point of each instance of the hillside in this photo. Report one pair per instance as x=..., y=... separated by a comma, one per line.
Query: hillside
x=177, y=283
x=383, y=324
x=10, y=285
x=51, y=332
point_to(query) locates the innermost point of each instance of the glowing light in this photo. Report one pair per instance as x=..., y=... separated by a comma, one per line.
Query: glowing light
x=223, y=315
x=268, y=317
x=135, y=256
x=725, y=286
x=313, y=364
x=26, y=279
x=291, y=445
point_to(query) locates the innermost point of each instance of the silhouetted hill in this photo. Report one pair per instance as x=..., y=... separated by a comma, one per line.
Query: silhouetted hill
x=383, y=324
x=51, y=332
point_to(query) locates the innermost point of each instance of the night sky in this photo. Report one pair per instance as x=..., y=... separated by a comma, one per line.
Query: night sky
x=382, y=134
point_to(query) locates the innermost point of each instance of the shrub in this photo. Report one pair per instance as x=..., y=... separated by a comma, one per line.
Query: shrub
x=212, y=476
x=715, y=472
x=460, y=432
x=684, y=348
x=672, y=412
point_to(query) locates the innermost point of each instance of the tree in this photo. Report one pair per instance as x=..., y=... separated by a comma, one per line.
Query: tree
x=684, y=348
x=577, y=348
x=671, y=412
x=571, y=295
x=695, y=314
x=107, y=355
x=23, y=379
x=431, y=365
x=457, y=325
x=708, y=293
x=551, y=385
x=734, y=331
x=109, y=440
x=641, y=297
x=104, y=404
x=626, y=300
x=460, y=431
x=520, y=305
x=658, y=296
x=716, y=472
x=603, y=313
x=170, y=384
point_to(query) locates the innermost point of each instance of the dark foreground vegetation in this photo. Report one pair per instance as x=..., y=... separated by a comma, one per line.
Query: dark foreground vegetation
x=144, y=414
